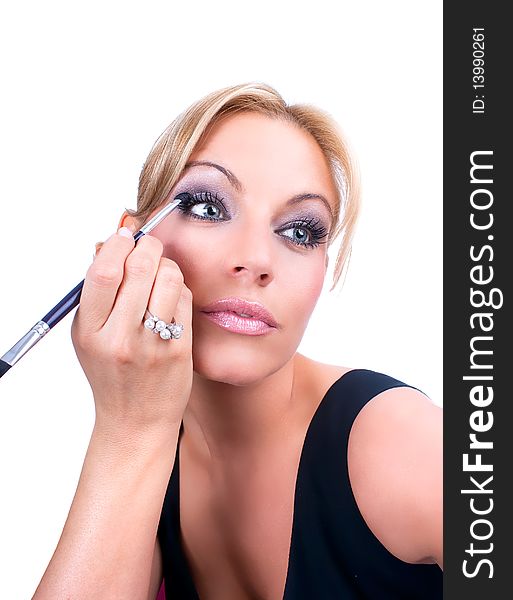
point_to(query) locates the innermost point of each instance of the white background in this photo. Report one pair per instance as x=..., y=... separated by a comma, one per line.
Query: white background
x=86, y=91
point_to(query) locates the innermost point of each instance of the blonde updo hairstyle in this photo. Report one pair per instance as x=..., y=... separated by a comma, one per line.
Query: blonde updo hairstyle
x=172, y=150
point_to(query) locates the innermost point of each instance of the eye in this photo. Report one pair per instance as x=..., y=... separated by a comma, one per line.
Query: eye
x=205, y=210
x=213, y=207
x=307, y=233
x=300, y=235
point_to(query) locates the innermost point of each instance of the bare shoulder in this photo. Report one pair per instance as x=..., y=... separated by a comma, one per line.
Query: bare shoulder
x=395, y=468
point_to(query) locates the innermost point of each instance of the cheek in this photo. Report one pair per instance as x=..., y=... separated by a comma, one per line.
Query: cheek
x=193, y=252
x=298, y=279
x=302, y=287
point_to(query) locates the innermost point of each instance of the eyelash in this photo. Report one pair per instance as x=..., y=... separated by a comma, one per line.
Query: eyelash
x=189, y=200
x=314, y=226
x=317, y=230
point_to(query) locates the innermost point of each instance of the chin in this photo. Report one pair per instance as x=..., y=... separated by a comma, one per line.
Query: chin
x=238, y=367
x=225, y=370
x=229, y=376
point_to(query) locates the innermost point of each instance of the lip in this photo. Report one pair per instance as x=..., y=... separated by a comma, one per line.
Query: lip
x=257, y=311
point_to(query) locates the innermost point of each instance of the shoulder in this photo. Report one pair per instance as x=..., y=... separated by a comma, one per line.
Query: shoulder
x=395, y=469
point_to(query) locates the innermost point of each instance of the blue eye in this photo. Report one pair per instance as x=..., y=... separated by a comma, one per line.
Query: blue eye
x=308, y=233
x=213, y=205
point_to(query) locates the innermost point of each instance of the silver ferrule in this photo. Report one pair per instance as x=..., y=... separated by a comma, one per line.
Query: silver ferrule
x=29, y=340
x=160, y=216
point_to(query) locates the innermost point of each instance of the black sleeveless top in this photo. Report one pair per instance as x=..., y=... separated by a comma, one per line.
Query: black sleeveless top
x=333, y=553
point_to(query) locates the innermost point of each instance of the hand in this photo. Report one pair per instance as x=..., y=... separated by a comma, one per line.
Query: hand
x=137, y=378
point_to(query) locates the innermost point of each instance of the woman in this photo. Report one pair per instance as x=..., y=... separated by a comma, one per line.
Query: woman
x=265, y=189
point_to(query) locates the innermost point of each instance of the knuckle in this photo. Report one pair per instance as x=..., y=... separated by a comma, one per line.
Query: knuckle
x=154, y=243
x=121, y=353
x=170, y=272
x=187, y=294
x=76, y=338
x=104, y=274
x=170, y=262
x=76, y=333
x=139, y=264
x=84, y=342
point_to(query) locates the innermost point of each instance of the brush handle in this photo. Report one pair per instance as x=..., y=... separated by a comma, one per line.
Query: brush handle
x=42, y=327
x=68, y=303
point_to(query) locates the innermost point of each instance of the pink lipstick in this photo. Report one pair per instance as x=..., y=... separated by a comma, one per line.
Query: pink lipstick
x=241, y=316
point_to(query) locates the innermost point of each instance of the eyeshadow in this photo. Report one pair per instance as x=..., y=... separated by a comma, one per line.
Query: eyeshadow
x=215, y=182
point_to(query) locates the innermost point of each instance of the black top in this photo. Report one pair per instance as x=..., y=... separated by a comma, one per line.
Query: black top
x=333, y=554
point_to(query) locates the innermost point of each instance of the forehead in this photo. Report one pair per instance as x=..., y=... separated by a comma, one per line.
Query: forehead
x=260, y=149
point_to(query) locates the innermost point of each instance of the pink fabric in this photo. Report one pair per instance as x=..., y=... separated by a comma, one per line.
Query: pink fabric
x=162, y=594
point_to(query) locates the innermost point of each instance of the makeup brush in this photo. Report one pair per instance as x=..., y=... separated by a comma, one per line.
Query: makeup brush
x=69, y=302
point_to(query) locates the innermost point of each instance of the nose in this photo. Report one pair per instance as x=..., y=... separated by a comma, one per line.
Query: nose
x=250, y=254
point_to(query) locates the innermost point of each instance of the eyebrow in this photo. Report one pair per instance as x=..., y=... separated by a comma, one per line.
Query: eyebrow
x=229, y=175
x=239, y=187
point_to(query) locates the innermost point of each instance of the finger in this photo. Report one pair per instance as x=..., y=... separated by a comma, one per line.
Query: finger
x=166, y=290
x=102, y=281
x=181, y=314
x=140, y=270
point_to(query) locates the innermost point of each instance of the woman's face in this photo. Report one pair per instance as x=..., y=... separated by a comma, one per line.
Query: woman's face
x=255, y=227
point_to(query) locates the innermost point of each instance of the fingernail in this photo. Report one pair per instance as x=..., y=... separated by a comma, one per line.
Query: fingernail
x=125, y=232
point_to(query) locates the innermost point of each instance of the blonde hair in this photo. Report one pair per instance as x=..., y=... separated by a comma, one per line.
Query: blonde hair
x=171, y=151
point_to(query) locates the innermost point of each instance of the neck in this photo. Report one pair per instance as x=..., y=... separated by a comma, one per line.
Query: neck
x=224, y=421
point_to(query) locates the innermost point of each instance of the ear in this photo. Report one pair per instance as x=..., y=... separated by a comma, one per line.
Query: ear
x=327, y=261
x=127, y=220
